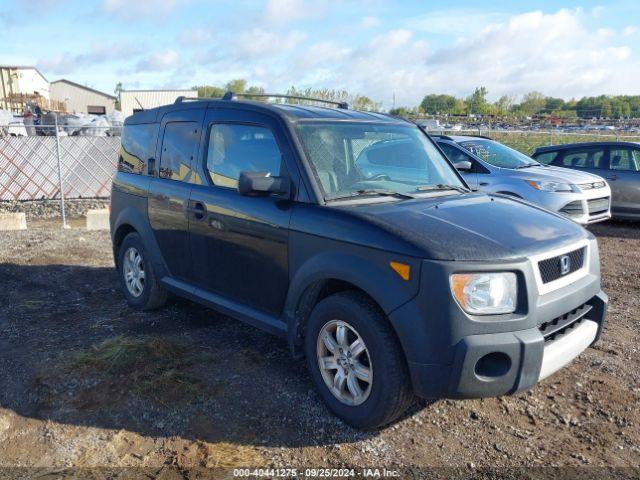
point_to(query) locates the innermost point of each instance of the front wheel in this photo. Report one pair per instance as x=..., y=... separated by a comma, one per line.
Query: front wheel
x=356, y=361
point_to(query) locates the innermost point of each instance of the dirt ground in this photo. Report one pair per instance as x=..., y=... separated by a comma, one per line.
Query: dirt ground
x=86, y=381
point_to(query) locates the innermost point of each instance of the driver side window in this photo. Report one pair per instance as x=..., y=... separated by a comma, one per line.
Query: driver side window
x=237, y=148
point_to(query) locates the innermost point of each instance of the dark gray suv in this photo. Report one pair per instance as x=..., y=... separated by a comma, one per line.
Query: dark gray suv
x=390, y=287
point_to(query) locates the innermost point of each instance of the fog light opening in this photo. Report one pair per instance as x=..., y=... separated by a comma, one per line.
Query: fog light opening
x=493, y=365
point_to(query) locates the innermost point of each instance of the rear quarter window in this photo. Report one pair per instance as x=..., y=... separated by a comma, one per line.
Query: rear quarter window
x=138, y=144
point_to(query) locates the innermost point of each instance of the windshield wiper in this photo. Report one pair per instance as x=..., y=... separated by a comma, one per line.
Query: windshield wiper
x=441, y=186
x=373, y=191
x=527, y=165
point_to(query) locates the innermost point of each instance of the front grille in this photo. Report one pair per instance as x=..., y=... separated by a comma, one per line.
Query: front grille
x=598, y=205
x=560, y=326
x=551, y=268
x=573, y=209
x=591, y=185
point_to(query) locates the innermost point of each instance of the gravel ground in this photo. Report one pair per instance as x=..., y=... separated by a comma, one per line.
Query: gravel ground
x=68, y=399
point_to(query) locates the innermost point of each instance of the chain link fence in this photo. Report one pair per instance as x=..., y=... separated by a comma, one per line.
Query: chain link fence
x=48, y=164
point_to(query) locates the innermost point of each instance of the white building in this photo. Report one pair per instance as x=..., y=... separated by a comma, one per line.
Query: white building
x=80, y=99
x=19, y=84
x=132, y=101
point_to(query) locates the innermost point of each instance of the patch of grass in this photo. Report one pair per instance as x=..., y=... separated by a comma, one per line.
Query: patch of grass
x=157, y=368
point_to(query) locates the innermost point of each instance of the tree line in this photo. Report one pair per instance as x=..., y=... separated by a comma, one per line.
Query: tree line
x=355, y=101
x=531, y=104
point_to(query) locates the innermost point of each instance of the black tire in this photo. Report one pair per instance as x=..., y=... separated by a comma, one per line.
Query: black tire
x=390, y=392
x=153, y=295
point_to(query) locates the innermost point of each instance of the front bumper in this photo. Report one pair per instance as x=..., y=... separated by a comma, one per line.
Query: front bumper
x=454, y=355
x=582, y=206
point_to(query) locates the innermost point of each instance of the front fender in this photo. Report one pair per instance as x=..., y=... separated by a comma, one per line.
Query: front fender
x=364, y=268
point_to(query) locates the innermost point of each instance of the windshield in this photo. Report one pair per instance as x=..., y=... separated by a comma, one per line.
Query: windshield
x=361, y=158
x=498, y=154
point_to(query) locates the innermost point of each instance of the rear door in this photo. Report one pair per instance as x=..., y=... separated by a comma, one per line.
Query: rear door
x=624, y=178
x=170, y=189
x=240, y=244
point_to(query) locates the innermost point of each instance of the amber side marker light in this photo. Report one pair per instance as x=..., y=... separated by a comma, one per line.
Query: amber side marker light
x=401, y=269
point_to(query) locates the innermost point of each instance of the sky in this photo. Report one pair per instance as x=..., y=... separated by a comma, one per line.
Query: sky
x=378, y=48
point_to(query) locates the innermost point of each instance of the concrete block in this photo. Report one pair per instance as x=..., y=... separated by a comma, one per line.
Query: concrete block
x=13, y=221
x=98, y=219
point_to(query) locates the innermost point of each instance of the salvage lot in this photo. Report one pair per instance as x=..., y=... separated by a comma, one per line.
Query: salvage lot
x=86, y=381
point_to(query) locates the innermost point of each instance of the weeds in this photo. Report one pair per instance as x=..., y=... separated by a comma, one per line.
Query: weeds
x=156, y=368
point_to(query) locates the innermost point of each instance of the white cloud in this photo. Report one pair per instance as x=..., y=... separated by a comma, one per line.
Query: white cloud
x=195, y=36
x=139, y=10
x=556, y=53
x=260, y=42
x=326, y=53
x=98, y=53
x=159, y=62
x=455, y=21
x=370, y=22
x=629, y=30
x=282, y=12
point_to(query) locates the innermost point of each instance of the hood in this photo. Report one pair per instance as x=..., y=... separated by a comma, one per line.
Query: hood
x=472, y=227
x=557, y=174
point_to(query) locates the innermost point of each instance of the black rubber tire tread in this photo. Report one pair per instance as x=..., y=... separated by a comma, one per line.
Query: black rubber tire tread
x=153, y=295
x=390, y=397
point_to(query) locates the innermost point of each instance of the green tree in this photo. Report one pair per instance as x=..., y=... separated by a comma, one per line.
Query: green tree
x=209, y=91
x=238, y=85
x=532, y=103
x=477, y=101
x=438, y=104
x=503, y=105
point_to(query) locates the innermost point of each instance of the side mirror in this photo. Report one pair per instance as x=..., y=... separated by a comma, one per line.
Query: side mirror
x=262, y=184
x=464, y=165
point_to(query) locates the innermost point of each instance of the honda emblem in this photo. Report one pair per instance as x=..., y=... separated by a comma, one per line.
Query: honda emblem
x=565, y=264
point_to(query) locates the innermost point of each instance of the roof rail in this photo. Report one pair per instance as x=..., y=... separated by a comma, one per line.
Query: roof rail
x=182, y=98
x=234, y=96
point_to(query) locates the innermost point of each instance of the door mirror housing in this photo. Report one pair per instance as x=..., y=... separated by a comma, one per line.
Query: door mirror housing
x=254, y=184
x=463, y=166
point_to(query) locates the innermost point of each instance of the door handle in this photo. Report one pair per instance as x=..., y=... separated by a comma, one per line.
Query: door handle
x=198, y=210
x=484, y=184
x=612, y=177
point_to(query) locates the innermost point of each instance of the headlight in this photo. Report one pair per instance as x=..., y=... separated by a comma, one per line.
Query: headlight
x=550, y=186
x=485, y=293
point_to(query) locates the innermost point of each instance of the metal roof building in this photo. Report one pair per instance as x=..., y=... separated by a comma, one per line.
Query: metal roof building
x=81, y=99
x=132, y=101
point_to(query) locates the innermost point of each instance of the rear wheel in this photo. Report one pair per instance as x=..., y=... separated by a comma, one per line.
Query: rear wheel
x=137, y=277
x=356, y=361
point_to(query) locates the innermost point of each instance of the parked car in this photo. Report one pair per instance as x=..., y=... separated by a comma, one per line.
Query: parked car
x=490, y=166
x=617, y=162
x=389, y=286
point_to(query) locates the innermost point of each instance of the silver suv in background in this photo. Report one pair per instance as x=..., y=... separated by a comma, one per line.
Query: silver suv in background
x=490, y=166
x=617, y=162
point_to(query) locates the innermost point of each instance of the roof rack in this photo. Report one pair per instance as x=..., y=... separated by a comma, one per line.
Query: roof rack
x=234, y=96
x=182, y=98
